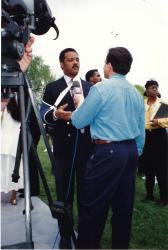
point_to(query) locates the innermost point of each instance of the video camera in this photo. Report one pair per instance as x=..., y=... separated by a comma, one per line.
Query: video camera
x=19, y=18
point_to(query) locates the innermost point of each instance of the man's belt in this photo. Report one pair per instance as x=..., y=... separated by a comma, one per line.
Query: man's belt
x=99, y=141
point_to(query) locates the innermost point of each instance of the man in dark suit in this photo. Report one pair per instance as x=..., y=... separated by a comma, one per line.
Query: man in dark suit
x=93, y=76
x=71, y=146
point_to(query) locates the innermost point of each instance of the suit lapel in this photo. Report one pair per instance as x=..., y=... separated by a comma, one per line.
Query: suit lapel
x=85, y=88
x=67, y=98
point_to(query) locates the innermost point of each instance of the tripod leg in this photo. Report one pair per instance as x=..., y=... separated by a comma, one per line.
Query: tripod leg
x=25, y=166
x=39, y=121
x=53, y=207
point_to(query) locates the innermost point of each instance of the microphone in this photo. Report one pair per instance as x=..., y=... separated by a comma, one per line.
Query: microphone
x=77, y=94
x=75, y=88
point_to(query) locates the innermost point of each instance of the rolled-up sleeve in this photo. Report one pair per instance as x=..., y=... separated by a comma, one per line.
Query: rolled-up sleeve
x=140, y=139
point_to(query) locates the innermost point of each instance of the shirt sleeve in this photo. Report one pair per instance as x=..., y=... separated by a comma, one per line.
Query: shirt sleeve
x=163, y=122
x=85, y=114
x=140, y=139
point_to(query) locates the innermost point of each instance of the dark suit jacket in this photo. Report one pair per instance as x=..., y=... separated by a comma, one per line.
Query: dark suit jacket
x=63, y=132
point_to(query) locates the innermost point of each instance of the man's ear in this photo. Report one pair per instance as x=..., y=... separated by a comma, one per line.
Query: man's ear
x=61, y=65
x=91, y=79
x=110, y=68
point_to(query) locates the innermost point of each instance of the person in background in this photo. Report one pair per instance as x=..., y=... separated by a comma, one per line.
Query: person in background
x=115, y=112
x=154, y=157
x=71, y=146
x=10, y=128
x=93, y=76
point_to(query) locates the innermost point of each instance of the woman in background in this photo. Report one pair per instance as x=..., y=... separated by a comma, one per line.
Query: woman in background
x=10, y=129
x=154, y=158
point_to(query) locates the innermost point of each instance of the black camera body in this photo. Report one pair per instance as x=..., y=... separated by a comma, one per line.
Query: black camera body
x=19, y=19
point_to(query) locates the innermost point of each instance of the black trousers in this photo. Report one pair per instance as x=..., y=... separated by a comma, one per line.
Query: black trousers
x=154, y=161
x=109, y=181
x=65, y=181
x=70, y=166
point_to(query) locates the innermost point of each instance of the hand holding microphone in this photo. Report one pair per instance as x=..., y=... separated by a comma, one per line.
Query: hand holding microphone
x=77, y=94
x=60, y=113
x=78, y=100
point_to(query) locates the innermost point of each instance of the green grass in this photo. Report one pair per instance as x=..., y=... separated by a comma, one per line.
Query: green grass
x=149, y=224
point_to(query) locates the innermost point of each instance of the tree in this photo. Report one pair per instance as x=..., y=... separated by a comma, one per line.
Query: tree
x=39, y=75
x=140, y=89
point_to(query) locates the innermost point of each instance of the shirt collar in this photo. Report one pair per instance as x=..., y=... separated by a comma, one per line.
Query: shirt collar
x=68, y=79
x=156, y=103
x=116, y=75
x=157, y=100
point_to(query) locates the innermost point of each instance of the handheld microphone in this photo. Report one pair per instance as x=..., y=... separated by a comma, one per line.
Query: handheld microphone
x=76, y=93
x=76, y=89
x=77, y=96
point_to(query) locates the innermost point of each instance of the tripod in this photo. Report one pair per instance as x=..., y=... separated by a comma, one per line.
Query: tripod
x=19, y=81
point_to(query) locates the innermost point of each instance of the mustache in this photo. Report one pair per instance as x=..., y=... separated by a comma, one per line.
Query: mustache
x=75, y=66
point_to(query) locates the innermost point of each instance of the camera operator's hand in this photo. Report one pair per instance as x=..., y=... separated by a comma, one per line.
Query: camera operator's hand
x=25, y=61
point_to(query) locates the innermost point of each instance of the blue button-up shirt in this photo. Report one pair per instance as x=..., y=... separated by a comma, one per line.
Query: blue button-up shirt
x=115, y=111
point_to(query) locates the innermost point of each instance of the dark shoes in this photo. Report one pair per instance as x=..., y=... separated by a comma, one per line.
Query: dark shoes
x=65, y=242
x=21, y=191
x=21, y=195
x=161, y=203
x=148, y=199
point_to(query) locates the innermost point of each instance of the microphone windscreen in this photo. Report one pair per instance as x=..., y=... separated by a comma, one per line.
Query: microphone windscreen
x=76, y=84
x=76, y=88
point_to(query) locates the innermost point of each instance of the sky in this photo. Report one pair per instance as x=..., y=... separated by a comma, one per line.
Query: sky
x=94, y=26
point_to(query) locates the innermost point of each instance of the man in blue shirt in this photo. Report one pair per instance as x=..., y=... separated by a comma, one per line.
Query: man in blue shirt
x=115, y=111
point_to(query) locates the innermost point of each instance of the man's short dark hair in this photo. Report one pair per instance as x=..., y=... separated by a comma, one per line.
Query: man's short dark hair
x=62, y=54
x=120, y=59
x=151, y=83
x=89, y=74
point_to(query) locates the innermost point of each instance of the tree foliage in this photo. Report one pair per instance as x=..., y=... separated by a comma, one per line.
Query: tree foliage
x=39, y=74
x=140, y=89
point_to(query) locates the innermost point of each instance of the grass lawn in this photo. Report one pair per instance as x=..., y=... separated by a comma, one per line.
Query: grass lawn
x=150, y=222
